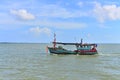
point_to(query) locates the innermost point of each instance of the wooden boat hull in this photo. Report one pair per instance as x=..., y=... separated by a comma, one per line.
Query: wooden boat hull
x=68, y=52
x=61, y=51
x=87, y=53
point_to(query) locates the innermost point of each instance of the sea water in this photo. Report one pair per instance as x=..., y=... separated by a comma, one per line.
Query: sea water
x=30, y=61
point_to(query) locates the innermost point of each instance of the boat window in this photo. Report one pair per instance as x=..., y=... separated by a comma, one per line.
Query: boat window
x=60, y=47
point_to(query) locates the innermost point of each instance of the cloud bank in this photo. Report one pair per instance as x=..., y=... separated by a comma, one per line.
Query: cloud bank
x=23, y=14
x=106, y=12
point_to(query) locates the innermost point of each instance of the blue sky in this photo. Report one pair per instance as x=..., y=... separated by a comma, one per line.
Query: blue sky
x=96, y=21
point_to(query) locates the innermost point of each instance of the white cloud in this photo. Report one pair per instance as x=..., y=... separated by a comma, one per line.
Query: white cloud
x=23, y=14
x=38, y=31
x=106, y=12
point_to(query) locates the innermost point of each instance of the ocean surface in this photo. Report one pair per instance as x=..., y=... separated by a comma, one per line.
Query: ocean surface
x=29, y=61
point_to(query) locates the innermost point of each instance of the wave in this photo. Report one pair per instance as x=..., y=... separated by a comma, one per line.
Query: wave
x=109, y=54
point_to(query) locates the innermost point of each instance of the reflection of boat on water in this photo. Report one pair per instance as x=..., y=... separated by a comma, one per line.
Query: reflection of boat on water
x=81, y=49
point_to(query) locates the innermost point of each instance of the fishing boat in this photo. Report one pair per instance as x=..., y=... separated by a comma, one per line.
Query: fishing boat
x=81, y=48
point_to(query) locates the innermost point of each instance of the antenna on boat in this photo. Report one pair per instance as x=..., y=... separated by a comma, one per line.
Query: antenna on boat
x=81, y=40
x=54, y=42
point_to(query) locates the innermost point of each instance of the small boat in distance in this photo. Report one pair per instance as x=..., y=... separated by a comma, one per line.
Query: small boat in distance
x=81, y=48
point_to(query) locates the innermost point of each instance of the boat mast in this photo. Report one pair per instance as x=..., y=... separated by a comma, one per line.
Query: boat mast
x=79, y=45
x=81, y=40
x=54, y=43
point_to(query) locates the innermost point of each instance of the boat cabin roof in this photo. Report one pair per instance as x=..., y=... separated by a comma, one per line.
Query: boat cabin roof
x=77, y=44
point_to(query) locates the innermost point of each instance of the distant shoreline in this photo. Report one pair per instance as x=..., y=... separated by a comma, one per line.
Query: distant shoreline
x=22, y=43
x=41, y=43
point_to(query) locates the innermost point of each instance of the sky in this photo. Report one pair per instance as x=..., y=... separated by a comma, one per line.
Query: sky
x=95, y=21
